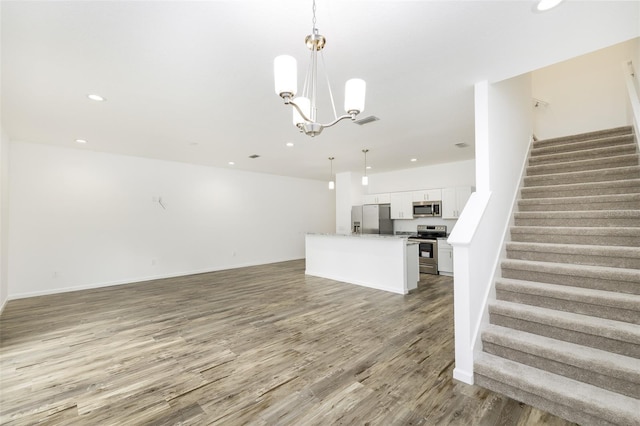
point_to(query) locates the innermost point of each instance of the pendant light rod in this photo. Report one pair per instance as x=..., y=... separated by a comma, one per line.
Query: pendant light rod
x=332, y=183
x=365, y=178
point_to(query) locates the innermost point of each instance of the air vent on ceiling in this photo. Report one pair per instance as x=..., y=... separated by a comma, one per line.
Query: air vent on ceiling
x=462, y=145
x=366, y=120
x=254, y=156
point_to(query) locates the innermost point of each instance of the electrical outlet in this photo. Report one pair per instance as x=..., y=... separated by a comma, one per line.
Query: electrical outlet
x=54, y=275
x=154, y=262
x=233, y=253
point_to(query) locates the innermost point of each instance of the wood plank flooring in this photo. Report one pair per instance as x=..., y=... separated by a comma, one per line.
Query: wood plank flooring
x=263, y=345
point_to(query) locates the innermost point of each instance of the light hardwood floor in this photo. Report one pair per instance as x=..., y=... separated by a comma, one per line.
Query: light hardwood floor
x=263, y=345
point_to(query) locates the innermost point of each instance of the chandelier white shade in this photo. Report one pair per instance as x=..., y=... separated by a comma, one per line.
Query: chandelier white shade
x=305, y=106
x=285, y=71
x=354, y=94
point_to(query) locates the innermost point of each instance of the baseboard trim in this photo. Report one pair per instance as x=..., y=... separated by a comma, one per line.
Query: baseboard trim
x=463, y=376
x=138, y=280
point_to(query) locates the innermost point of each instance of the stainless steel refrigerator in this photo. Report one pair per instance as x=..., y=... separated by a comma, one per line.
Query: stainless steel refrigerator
x=371, y=219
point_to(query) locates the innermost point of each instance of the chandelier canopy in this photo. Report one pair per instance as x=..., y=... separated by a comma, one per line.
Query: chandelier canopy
x=304, y=106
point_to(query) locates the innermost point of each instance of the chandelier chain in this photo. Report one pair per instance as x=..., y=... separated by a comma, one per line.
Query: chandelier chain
x=314, y=16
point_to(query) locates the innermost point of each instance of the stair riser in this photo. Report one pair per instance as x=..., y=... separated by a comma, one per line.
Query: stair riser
x=587, y=191
x=587, y=376
x=582, y=177
x=527, y=206
x=619, y=132
x=595, y=259
x=572, y=280
x=577, y=146
x=601, y=240
x=612, y=345
x=584, y=155
x=600, y=311
x=566, y=412
x=591, y=222
x=601, y=163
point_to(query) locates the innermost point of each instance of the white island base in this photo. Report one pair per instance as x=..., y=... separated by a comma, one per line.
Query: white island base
x=381, y=262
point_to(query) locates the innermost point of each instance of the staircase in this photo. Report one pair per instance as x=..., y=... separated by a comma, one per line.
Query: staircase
x=564, y=332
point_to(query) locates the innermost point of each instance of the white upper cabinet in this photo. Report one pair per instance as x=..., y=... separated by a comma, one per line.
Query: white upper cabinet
x=401, y=205
x=427, y=195
x=454, y=200
x=377, y=199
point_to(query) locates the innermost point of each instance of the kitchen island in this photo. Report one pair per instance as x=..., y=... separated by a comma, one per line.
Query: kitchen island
x=383, y=262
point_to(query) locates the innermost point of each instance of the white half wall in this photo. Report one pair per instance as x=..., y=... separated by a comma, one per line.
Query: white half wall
x=504, y=125
x=4, y=218
x=84, y=219
x=584, y=94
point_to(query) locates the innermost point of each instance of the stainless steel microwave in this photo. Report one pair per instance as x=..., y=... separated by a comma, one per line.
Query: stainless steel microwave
x=427, y=208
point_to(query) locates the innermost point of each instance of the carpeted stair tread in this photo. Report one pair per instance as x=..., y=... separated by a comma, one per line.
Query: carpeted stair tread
x=583, y=164
x=621, y=337
x=583, y=176
x=574, y=395
x=614, y=256
x=630, y=186
x=597, y=152
x=589, y=202
x=580, y=145
x=599, y=134
x=600, y=272
x=615, y=372
x=605, y=304
x=605, y=278
x=598, y=218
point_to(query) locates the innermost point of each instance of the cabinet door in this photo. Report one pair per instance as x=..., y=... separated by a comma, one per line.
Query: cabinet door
x=445, y=260
x=369, y=199
x=427, y=195
x=449, y=203
x=462, y=196
x=454, y=200
x=383, y=198
x=401, y=205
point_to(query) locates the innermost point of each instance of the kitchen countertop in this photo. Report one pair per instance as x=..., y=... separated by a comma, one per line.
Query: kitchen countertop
x=371, y=236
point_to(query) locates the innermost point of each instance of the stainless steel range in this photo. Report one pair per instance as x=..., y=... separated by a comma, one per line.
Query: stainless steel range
x=427, y=238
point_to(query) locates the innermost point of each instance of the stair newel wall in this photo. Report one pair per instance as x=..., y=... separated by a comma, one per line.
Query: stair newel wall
x=503, y=129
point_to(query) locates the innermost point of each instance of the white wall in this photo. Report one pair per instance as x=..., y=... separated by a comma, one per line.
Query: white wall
x=586, y=93
x=503, y=129
x=458, y=173
x=84, y=219
x=4, y=218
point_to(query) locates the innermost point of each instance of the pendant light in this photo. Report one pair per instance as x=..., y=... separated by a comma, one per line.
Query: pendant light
x=365, y=178
x=304, y=106
x=332, y=182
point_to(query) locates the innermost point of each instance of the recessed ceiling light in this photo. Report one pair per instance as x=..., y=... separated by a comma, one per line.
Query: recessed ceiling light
x=413, y=160
x=96, y=98
x=368, y=167
x=547, y=4
x=289, y=143
x=231, y=163
x=81, y=140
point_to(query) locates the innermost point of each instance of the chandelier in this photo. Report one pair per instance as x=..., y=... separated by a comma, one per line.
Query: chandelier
x=304, y=106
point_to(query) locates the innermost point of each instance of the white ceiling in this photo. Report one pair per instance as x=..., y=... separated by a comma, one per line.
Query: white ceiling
x=193, y=81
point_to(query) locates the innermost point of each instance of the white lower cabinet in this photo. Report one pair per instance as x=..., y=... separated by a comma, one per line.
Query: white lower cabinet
x=445, y=257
